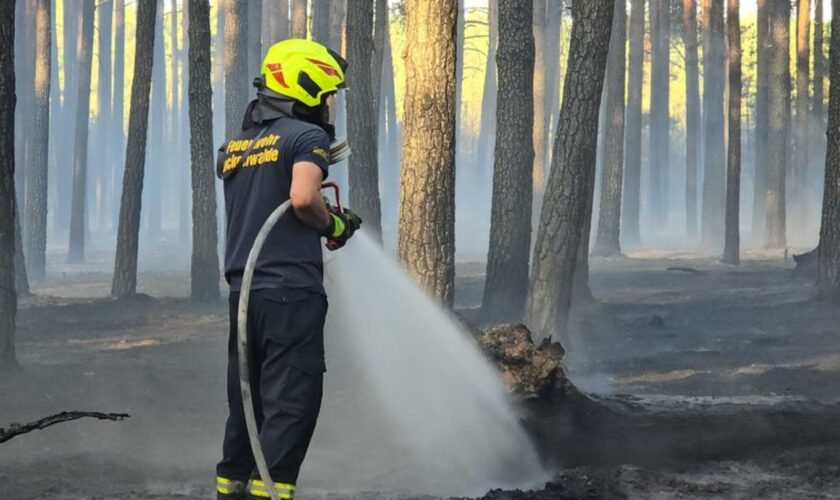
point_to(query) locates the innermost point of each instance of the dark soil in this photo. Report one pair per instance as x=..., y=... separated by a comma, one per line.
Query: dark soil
x=717, y=384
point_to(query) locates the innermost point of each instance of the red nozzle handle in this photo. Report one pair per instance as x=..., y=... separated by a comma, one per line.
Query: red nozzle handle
x=334, y=186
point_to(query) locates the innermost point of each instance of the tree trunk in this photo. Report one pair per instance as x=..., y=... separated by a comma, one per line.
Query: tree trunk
x=204, y=275
x=506, y=287
x=77, y=209
x=660, y=35
x=24, y=73
x=801, y=137
x=487, y=132
x=184, y=221
x=572, y=171
x=732, y=246
x=607, y=242
x=778, y=133
x=255, y=50
x=828, y=280
x=321, y=21
x=174, y=164
x=714, y=159
x=338, y=10
x=101, y=168
x=380, y=31
x=36, y=182
x=553, y=29
x=760, y=160
x=153, y=198
x=275, y=21
x=236, y=66
x=125, y=264
x=818, y=106
x=633, y=131
x=299, y=18
x=692, y=114
x=363, y=164
x=426, y=240
x=8, y=296
x=539, y=119
x=218, y=74
x=118, y=107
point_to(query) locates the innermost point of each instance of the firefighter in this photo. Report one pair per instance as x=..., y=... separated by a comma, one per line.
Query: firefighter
x=281, y=154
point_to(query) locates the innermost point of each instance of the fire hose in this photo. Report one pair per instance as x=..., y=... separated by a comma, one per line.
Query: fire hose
x=338, y=152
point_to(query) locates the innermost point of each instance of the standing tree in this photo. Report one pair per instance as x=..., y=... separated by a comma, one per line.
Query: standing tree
x=607, y=242
x=204, y=275
x=692, y=114
x=572, y=170
x=8, y=296
x=660, y=35
x=361, y=117
x=487, y=131
x=255, y=42
x=633, y=128
x=236, y=66
x=426, y=240
x=77, y=208
x=275, y=21
x=153, y=196
x=104, y=119
x=506, y=287
x=760, y=166
x=714, y=158
x=125, y=264
x=732, y=246
x=801, y=137
x=818, y=106
x=36, y=174
x=299, y=18
x=118, y=108
x=778, y=133
x=321, y=21
x=553, y=29
x=540, y=84
x=828, y=281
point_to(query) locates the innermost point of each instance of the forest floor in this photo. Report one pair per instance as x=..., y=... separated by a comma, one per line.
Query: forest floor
x=712, y=382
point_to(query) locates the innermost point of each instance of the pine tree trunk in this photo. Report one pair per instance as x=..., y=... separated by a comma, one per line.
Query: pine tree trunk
x=275, y=21
x=380, y=31
x=338, y=10
x=714, y=159
x=778, y=133
x=759, y=215
x=506, y=287
x=36, y=182
x=572, y=171
x=732, y=246
x=631, y=211
x=77, y=209
x=363, y=164
x=153, y=197
x=692, y=114
x=426, y=240
x=101, y=168
x=236, y=66
x=540, y=83
x=660, y=29
x=607, y=242
x=828, y=281
x=118, y=108
x=321, y=21
x=184, y=221
x=204, y=275
x=818, y=99
x=554, y=14
x=125, y=264
x=299, y=18
x=24, y=73
x=8, y=296
x=64, y=168
x=801, y=137
x=487, y=132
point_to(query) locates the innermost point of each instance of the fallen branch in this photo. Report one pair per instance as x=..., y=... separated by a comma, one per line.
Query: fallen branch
x=689, y=270
x=13, y=430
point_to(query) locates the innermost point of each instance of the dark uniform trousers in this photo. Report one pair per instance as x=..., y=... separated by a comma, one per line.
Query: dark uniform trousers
x=286, y=362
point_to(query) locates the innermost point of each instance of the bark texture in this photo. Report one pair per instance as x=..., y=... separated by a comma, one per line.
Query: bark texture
x=828, y=281
x=80, y=149
x=237, y=82
x=633, y=130
x=321, y=21
x=361, y=117
x=607, y=242
x=506, y=287
x=125, y=265
x=204, y=268
x=732, y=244
x=660, y=120
x=8, y=295
x=692, y=114
x=801, y=136
x=778, y=132
x=426, y=240
x=36, y=174
x=714, y=159
x=572, y=171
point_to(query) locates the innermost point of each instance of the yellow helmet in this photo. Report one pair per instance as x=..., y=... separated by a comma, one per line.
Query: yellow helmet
x=303, y=70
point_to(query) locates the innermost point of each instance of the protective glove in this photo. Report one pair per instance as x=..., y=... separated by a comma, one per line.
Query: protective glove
x=342, y=226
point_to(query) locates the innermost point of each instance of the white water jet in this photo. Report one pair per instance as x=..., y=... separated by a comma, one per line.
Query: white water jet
x=437, y=415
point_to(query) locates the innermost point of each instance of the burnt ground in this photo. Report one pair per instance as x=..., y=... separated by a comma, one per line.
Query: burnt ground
x=714, y=383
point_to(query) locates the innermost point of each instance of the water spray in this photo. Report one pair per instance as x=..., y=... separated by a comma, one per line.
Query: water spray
x=339, y=151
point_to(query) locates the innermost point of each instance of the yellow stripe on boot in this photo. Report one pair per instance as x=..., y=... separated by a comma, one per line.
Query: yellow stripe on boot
x=257, y=488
